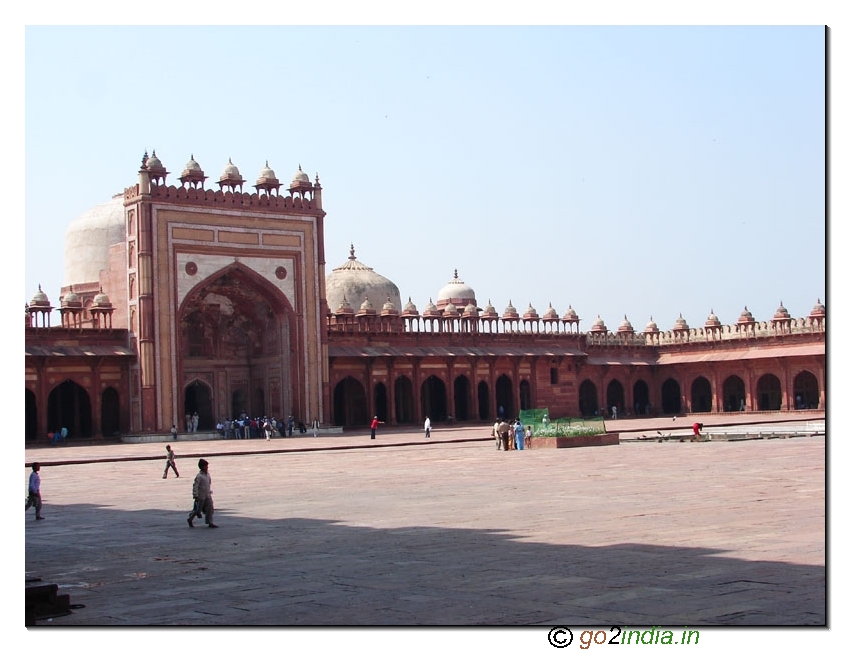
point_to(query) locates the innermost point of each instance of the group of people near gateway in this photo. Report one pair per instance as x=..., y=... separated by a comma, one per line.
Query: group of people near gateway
x=511, y=435
x=245, y=427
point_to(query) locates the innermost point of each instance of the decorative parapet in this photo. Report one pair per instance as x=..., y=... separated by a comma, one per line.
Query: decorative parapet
x=219, y=198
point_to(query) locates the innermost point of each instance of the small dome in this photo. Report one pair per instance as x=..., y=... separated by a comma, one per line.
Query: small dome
x=625, y=326
x=192, y=165
x=154, y=164
x=344, y=307
x=599, y=325
x=431, y=310
x=651, y=327
x=551, y=314
x=818, y=310
x=570, y=316
x=456, y=292
x=489, y=311
x=410, y=308
x=389, y=308
x=712, y=320
x=530, y=313
x=781, y=313
x=102, y=300
x=300, y=176
x=450, y=311
x=71, y=299
x=40, y=299
x=366, y=307
x=267, y=173
x=510, y=312
x=681, y=324
x=231, y=172
x=746, y=316
x=470, y=311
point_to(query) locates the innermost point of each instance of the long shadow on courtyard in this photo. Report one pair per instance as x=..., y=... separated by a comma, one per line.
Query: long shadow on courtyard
x=149, y=568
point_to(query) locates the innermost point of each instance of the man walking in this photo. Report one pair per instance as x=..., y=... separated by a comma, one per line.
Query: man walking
x=34, y=492
x=169, y=462
x=427, y=427
x=202, y=493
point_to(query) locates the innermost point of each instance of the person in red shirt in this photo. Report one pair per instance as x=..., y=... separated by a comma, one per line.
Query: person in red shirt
x=374, y=426
x=697, y=428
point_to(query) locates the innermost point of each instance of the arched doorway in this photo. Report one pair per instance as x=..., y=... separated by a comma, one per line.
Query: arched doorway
x=671, y=397
x=640, y=397
x=350, y=403
x=588, y=401
x=806, y=393
x=31, y=416
x=237, y=330
x=701, y=395
x=197, y=398
x=525, y=402
x=463, y=396
x=404, y=404
x=733, y=394
x=433, y=399
x=769, y=391
x=380, y=395
x=505, y=397
x=69, y=406
x=110, y=413
x=615, y=396
x=483, y=401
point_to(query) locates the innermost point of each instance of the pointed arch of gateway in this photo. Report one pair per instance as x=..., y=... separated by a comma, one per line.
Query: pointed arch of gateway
x=69, y=407
x=733, y=393
x=671, y=397
x=806, y=391
x=505, y=397
x=588, y=399
x=238, y=334
x=769, y=392
x=701, y=395
x=462, y=398
x=615, y=396
x=350, y=407
x=404, y=403
x=433, y=399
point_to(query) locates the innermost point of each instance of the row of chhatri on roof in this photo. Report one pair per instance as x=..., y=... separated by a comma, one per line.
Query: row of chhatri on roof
x=193, y=176
x=457, y=300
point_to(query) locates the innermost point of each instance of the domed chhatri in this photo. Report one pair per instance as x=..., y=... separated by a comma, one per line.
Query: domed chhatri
x=651, y=327
x=681, y=324
x=192, y=174
x=746, y=316
x=712, y=320
x=230, y=177
x=357, y=281
x=510, y=312
x=457, y=293
x=625, y=327
x=598, y=325
x=39, y=299
x=267, y=181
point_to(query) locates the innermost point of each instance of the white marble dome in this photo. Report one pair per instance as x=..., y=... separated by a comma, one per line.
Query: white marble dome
x=457, y=293
x=88, y=238
x=357, y=282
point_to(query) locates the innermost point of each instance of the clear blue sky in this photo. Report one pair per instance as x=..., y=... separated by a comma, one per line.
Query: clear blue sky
x=639, y=171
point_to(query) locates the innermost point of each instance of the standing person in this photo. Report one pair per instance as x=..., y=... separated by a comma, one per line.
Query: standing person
x=195, y=420
x=427, y=427
x=519, y=435
x=174, y=432
x=188, y=423
x=374, y=426
x=169, y=462
x=613, y=412
x=267, y=428
x=496, y=434
x=504, y=434
x=290, y=425
x=34, y=492
x=202, y=493
x=528, y=437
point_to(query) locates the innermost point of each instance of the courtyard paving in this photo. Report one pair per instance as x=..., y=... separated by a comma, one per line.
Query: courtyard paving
x=345, y=530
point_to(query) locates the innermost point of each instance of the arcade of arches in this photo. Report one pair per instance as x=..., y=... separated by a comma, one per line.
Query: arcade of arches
x=408, y=396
